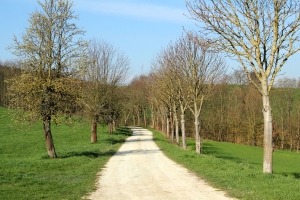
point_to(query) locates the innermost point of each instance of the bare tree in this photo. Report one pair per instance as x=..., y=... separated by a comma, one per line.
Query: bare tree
x=201, y=67
x=261, y=35
x=52, y=55
x=163, y=92
x=107, y=71
x=238, y=77
x=286, y=82
x=177, y=85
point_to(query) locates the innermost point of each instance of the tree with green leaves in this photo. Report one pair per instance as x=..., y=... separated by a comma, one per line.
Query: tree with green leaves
x=261, y=34
x=52, y=56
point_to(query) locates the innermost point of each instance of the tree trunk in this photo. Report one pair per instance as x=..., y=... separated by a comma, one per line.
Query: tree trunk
x=145, y=118
x=94, y=130
x=110, y=128
x=163, y=126
x=177, y=130
x=197, y=135
x=183, y=132
x=133, y=117
x=268, y=146
x=48, y=137
x=138, y=119
x=114, y=123
x=152, y=119
x=197, y=112
x=172, y=127
x=168, y=126
x=157, y=124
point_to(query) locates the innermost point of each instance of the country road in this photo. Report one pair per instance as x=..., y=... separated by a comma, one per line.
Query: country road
x=139, y=170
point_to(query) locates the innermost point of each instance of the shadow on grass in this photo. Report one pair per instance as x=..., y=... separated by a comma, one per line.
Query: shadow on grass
x=112, y=140
x=156, y=139
x=90, y=154
x=123, y=131
x=209, y=149
x=296, y=175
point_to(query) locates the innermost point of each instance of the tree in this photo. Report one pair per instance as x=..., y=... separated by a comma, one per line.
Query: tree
x=107, y=71
x=173, y=57
x=201, y=66
x=52, y=55
x=261, y=35
x=139, y=90
x=166, y=87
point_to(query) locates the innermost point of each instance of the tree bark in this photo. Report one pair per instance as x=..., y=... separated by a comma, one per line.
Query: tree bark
x=48, y=137
x=110, y=128
x=197, y=135
x=114, y=125
x=197, y=112
x=172, y=126
x=152, y=119
x=145, y=118
x=163, y=126
x=177, y=130
x=268, y=146
x=138, y=119
x=183, y=132
x=168, y=126
x=94, y=130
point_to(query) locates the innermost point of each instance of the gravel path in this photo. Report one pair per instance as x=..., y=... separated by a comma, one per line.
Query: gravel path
x=139, y=170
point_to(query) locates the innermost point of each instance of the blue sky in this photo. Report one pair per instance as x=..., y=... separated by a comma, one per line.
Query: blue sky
x=139, y=28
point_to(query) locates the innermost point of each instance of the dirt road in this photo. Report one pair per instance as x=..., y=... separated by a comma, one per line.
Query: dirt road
x=139, y=170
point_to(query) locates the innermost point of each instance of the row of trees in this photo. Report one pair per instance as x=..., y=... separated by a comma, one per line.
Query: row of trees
x=184, y=75
x=230, y=113
x=61, y=74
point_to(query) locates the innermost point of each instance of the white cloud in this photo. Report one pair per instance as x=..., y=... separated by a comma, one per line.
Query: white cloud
x=137, y=10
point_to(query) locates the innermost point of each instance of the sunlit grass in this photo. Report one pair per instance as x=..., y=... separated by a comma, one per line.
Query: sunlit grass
x=26, y=172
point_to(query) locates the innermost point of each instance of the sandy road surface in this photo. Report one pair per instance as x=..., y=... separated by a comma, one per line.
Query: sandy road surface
x=139, y=170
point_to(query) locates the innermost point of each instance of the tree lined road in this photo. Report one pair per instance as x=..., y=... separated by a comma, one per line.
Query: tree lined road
x=139, y=170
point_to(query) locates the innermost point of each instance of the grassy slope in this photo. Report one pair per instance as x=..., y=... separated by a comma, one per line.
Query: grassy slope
x=27, y=173
x=237, y=169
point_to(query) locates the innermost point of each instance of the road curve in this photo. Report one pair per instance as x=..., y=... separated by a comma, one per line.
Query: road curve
x=139, y=170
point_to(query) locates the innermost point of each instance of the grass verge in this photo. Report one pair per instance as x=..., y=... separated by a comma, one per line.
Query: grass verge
x=237, y=169
x=26, y=172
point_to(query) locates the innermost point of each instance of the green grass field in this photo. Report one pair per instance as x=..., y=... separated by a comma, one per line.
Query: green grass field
x=237, y=169
x=26, y=172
